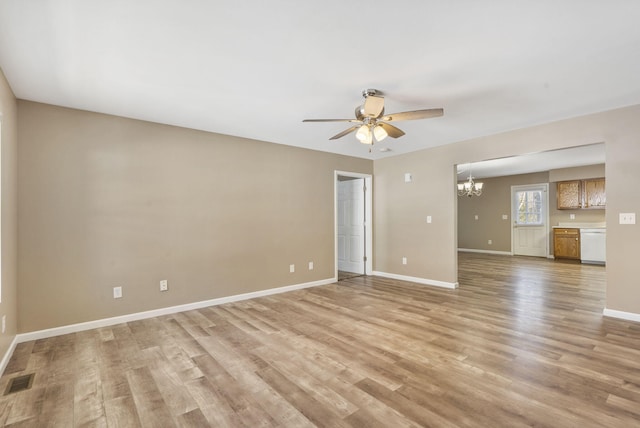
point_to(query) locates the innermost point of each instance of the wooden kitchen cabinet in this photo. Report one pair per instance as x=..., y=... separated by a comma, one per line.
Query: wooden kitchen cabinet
x=578, y=194
x=594, y=194
x=566, y=243
x=569, y=195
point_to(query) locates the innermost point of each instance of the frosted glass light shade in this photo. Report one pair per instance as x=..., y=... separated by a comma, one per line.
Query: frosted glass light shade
x=379, y=133
x=364, y=134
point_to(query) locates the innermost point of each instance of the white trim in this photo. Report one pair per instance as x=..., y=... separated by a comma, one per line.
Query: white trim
x=105, y=322
x=629, y=316
x=451, y=285
x=7, y=355
x=470, y=250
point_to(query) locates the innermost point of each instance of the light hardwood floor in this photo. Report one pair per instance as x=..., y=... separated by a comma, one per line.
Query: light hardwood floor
x=522, y=342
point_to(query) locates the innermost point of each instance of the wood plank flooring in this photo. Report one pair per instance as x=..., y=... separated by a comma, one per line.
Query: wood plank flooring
x=522, y=342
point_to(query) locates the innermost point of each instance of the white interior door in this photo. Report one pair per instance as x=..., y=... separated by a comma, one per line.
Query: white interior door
x=351, y=224
x=530, y=213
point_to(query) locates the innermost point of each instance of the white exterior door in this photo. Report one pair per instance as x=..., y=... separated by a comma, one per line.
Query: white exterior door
x=530, y=212
x=351, y=223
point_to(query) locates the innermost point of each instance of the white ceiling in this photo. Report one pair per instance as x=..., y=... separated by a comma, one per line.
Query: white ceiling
x=592, y=154
x=255, y=69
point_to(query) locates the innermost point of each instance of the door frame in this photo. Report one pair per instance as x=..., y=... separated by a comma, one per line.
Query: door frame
x=368, y=223
x=515, y=188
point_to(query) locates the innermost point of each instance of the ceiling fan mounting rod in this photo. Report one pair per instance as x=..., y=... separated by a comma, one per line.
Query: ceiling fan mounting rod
x=370, y=92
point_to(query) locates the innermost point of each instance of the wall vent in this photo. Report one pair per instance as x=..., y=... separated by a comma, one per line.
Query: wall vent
x=19, y=383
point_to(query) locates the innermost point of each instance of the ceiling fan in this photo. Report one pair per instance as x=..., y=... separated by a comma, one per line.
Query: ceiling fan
x=372, y=123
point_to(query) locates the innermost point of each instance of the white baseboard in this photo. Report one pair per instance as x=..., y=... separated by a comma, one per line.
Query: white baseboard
x=471, y=250
x=629, y=316
x=7, y=355
x=424, y=281
x=105, y=322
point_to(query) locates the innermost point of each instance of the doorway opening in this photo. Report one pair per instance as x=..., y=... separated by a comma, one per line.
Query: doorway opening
x=515, y=214
x=353, y=231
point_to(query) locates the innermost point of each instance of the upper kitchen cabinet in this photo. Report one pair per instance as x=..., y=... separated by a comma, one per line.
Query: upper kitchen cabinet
x=577, y=194
x=569, y=195
x=594, y=194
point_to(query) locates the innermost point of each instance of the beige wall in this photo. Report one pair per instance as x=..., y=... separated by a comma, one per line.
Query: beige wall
x=108, y=201
x=400, y=211
x=489, y=207
x=577, y=173
x=400, y=208
x=8, y=306
x=496, y=201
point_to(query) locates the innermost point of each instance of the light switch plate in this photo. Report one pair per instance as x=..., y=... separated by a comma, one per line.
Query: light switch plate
x=407, y=177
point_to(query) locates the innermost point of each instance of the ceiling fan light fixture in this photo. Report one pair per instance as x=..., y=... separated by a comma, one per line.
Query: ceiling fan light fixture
x=372, y=125
x=380, y=133
x=364, y=134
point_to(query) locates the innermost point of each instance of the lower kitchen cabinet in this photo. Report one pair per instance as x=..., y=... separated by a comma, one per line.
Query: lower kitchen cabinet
x=566, y=243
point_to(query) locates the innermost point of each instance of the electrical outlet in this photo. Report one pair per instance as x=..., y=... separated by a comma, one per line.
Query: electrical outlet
x=292, y=268
x=490, y=242
x=310, y=265
x=475, y=216
x=117, y=292
x=572, y=216
x=164, y=285
x=505, y=216
x=428, y=219
x=404, y=260
x=627, y=218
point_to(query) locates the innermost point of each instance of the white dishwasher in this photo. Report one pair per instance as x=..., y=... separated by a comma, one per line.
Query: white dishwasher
x=593, y=245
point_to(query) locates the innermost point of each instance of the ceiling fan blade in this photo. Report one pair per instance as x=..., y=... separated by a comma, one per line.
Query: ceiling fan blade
x=392, y=131
x=331, y=120
x=345, y=132
x=373, y=106
x=413, y=115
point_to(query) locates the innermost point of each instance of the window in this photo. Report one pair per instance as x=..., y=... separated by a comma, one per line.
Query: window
x=529, y=206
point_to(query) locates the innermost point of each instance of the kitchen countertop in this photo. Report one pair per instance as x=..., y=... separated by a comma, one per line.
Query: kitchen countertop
x=581, y=225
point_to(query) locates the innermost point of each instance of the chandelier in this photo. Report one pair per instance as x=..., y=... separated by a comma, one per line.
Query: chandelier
x=469, y=188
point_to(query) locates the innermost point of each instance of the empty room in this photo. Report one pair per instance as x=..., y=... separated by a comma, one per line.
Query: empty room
x=332, y=214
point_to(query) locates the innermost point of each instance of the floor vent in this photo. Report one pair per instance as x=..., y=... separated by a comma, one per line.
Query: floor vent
x=19, y=383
